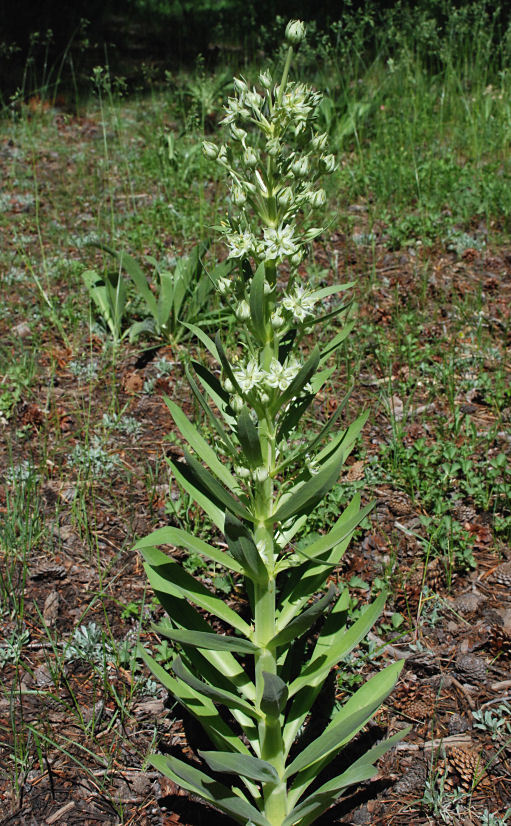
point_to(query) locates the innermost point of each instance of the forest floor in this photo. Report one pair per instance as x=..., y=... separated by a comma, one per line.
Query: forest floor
x=84, y=432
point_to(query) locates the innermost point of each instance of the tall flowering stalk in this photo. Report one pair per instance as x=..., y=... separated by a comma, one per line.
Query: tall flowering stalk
x=258, y=485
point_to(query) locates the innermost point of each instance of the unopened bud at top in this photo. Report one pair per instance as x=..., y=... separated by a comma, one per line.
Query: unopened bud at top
x=295, y=32
x=210, y=150
x=265, y=79
x=240, y=85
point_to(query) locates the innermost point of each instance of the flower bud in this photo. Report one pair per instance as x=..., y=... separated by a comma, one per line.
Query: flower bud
x=242, y=472
x=318, y=198
x=329, y=162
x=228, y=385
x=273, y=147
x=296, y=258
x=243, y=311
x=300, y=167
x=237, y=404
x=295, y=32
x=238, y=133
x=285, y=196
x=260, y=474
x=223, y=285
x=264, y=398
x=238, y=195
x=319, y=141
x=267, y=288
x=265, y=79
x=277, y=321
x=210, y=150
x=249, y=157
x=254, y=100
x=240, y=85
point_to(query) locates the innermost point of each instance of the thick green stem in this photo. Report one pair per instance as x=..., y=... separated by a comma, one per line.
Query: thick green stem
x=269, y=729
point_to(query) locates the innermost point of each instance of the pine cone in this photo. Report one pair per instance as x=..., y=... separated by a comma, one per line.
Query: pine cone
x=416, y=701
x=471, y=669
x=502, y=574
x=464, y=768
x=414, y=778
x=500, y=641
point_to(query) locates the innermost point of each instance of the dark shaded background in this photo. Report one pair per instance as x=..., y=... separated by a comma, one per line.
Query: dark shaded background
x=47, y=44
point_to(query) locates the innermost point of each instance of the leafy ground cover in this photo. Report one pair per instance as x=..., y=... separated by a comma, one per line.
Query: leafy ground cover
x=85, y=437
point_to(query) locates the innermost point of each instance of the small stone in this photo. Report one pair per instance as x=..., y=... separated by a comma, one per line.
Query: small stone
x=21, y=330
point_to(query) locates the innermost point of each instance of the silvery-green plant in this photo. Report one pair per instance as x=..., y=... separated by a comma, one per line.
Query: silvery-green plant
x=257, y=485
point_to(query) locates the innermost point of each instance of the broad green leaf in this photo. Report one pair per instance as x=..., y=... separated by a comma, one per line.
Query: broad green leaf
x=225, y=363
x=139, y=280
x=300, y=380
x=289, y=421
x=336, y=341
x=217, y=695
x=324, y=292
x=199, y=783
x=188, y=482
x=213, y=420
x=201, y=447
x=331, y=646
x=202, y=708
x=215, y=492
x=182, y=539
x=248, y=436
x=205, y=640
x=204, y=338
x=302, y=498
x=348, y=720
x=346, y=437
x=304, y=621
x=168, y=576
x=258, y=303
x=165, y=299
x=327, y=427
x=243, y=549
x=323, y=319
x=240, y=764
x=362, y=769
x=343, y=529
x=275, y=694
x=215, y=391
x=219, y=666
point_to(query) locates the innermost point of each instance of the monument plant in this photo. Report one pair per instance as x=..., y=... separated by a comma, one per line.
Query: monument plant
x=252, y=677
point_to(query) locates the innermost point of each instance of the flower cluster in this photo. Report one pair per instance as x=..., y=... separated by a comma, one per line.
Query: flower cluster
x=252, y=377
x=276, y=184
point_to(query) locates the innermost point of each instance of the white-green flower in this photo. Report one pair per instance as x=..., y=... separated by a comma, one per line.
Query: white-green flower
x=249, y=376
x=243, y=311
x=279, y=375
x=279, y=242
x=300, y=303
x=240, y=244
